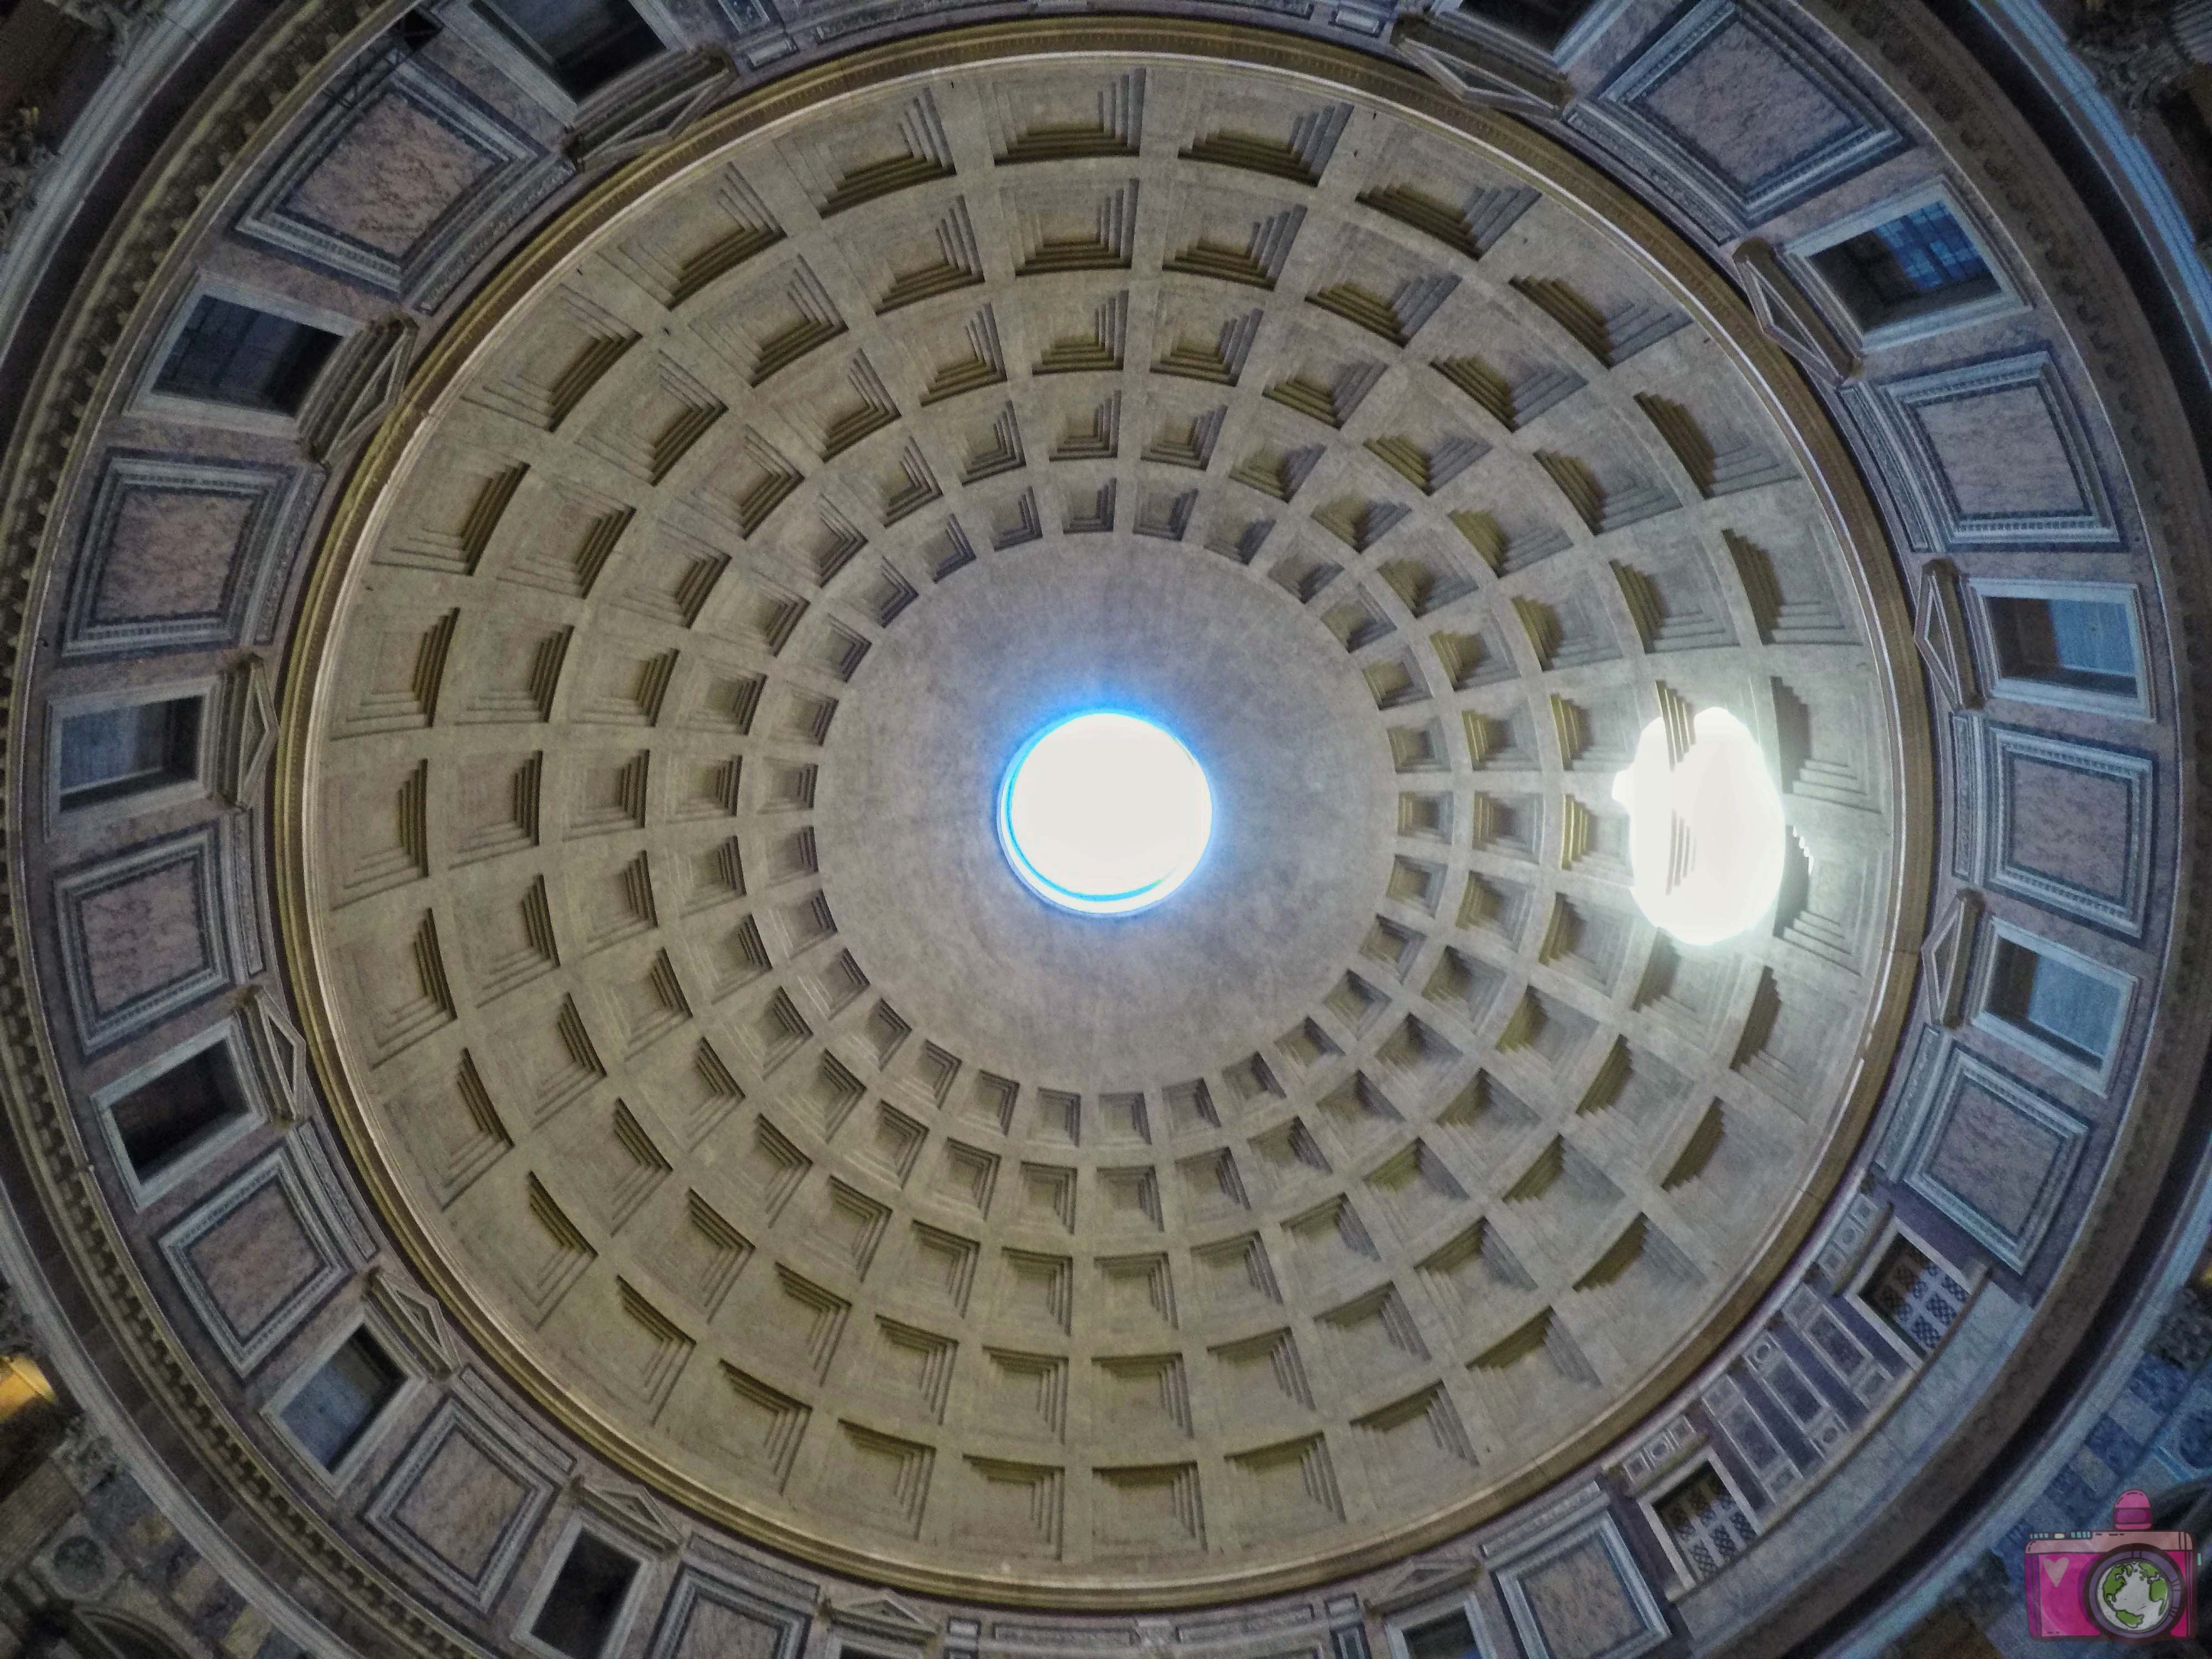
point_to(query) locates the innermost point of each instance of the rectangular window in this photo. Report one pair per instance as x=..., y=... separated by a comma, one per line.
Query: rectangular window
x=580, y=1612
x=162, y=1122
x=582, y=43
x=1917, y=1297
x=1448, y=1638
x=1923, y=251
x=349, y=1391
x=2075, y=644
x=1897, y=268
x=112, y=754
x=234, y=354
x=2055, y=1003
x=1543, y=23
x=1707, y=1526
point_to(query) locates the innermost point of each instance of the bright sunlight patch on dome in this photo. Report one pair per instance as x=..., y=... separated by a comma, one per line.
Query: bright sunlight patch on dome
x=1104, y=814
x=1705, y=828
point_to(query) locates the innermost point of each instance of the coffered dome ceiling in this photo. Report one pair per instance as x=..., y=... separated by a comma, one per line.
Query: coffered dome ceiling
x=689, y=1024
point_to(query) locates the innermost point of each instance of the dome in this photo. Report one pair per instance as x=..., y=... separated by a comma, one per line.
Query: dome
x=1599, y=1057
x=682, y=1004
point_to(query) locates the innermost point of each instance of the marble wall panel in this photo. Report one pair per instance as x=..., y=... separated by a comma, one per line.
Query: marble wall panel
x=396, y=180
x=462, y=1502
x=178, y=550
x=1992, y=1154
x=142, y=936
x=1573, y=1590
x=1992, y=456
x=256, y=1258
x=1736, y=117
x=2069, y=826
x=712, y=1615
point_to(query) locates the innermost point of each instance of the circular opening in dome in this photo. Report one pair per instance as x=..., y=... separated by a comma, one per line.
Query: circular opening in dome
x=1705, y=828
x=1104, y=814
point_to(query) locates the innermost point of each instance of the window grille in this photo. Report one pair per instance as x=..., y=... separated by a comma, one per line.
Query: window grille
x=1923, y=251
x=1916, y=1296
x=1708, y=1526
x=1917, y=263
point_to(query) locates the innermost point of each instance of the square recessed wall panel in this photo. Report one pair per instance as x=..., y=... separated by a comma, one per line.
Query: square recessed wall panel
x=256, y=1258
x=710, y=1611
x=471, y=174
x=1986, y=1150
x=1991, y=456
x=1571, y=1586
x=179, y=551
x=2069, y=826
x=142, y=936
x=462, y=1502
x=1735, y=117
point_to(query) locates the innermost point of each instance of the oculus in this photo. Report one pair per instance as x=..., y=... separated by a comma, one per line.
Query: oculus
x=1104, y=813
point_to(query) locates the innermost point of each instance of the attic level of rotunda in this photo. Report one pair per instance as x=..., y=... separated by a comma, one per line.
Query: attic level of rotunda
x=1310, y=831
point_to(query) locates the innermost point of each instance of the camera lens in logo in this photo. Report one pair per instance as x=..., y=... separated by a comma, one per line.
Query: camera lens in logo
x=2133, y=1592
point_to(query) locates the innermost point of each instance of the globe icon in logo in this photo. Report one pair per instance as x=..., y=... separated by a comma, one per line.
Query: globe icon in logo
x=2134, y=1593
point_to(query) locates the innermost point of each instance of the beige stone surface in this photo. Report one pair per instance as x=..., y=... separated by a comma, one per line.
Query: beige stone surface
x=1306, y=811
